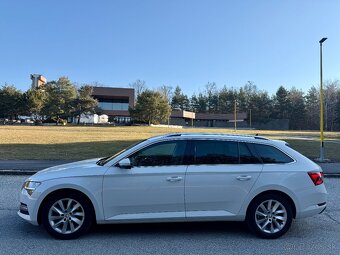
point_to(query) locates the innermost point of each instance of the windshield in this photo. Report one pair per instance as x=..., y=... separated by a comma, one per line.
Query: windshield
x=103, y=161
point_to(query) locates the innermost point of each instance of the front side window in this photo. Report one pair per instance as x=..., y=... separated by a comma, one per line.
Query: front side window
x=269, y=154
x=160, y=154
x=216, y=152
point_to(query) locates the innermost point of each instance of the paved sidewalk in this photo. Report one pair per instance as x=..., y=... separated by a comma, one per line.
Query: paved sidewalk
x=24, y=167
x=32, y=166
x=330, y=168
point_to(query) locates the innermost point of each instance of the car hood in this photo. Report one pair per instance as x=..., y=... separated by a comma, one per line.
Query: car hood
x=79, y=168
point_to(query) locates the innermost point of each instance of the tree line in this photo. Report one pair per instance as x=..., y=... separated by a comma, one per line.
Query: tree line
x=61, y=99
x=300, y=108
x=56, y=102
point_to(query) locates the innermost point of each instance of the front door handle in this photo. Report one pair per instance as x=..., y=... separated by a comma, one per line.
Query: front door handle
x=243, y=177
x=174, y=179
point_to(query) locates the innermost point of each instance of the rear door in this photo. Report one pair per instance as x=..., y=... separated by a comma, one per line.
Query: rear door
x=219, y=179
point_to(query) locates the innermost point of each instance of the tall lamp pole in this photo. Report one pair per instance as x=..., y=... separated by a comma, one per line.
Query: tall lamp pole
x=235, y=112
x=250, y=118
x=322, y=148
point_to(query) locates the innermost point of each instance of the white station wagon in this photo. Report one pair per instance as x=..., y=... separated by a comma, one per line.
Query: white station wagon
x=179, y=177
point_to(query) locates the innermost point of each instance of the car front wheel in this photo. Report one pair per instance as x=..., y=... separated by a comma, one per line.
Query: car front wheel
x=269, y=216
x=67, y=216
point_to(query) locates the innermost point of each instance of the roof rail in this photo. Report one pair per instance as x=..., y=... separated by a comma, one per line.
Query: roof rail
x=173, y=134
x=205, y=133
x=260, y=137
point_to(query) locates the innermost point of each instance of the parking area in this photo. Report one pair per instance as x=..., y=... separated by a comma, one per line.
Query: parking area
x=315, y=235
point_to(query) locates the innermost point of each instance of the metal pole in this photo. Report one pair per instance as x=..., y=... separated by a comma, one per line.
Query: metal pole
x=250, y=118
x=326, y=115
x=235, y=116
x=322, y=145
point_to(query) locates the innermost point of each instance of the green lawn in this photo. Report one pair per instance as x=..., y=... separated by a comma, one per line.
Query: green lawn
x=81, y=142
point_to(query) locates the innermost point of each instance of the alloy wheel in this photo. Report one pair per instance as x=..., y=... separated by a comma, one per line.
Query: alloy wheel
x=66, y=216
x=270, y=216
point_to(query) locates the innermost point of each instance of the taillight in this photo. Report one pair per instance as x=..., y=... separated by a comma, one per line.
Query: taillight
x=317, y=177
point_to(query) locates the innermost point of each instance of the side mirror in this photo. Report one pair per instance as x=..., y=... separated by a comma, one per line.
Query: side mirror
x=125, y=163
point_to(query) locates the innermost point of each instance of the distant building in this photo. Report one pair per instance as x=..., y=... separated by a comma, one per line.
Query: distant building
x=115, y=102
x=186, y=118
x=38, y=81
x=219, y=119
x=91, y=119
x=182, y=118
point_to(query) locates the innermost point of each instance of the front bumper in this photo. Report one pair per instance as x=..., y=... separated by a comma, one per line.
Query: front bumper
x=28, y=209
x=27, y=218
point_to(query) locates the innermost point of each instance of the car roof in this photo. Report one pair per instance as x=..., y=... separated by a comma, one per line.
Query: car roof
x=205, y=135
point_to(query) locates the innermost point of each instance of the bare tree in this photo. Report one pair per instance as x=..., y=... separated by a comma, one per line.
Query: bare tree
x=92, y=84
x=211, y=94
x=139, y=87
x=312, y=108
x=166, y=92
x=330, y=94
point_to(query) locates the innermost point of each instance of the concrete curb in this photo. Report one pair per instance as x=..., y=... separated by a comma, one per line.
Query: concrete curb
x=332, y=175
x=17, y=172
x=31, y=172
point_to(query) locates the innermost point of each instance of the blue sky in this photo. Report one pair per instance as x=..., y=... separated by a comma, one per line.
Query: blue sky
x=173, y=42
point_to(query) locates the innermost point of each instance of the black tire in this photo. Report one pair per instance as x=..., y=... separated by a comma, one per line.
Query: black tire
x=277, y=223
x=68, y=218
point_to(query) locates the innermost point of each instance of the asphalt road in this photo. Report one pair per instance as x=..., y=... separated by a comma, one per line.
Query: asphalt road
x=316, y=235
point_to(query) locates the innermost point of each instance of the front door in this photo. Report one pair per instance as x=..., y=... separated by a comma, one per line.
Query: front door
x=152, y=189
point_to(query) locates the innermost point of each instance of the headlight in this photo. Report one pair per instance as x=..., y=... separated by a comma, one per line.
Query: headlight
x=30, y=186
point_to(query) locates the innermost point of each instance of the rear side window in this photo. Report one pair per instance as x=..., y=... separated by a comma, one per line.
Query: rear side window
x=269, y=154
x=216, y=152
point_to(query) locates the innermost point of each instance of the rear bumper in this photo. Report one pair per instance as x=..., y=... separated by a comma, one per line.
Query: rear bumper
x=323, y=210
x=312, y=210
x=312, y=201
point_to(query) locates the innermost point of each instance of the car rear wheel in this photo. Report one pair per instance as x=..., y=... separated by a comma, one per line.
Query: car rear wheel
x=269, y=216
x=67, y=216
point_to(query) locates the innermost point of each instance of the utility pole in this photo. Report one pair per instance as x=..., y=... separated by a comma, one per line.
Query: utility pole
x=249, y=118
x=326, y=115
x=235, y=116
x=322, y=145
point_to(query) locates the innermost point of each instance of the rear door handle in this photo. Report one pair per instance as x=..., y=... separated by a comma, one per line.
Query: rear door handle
x=243, y=177
x=174, y=179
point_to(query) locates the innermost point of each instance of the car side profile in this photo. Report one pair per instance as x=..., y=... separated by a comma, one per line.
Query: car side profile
x=179, y=177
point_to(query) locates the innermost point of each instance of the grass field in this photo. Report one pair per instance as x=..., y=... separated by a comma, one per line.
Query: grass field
x=82, y=142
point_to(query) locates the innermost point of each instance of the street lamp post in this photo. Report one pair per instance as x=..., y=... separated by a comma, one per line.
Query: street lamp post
x=235, y=113
x=322, y=148
x=249, y=118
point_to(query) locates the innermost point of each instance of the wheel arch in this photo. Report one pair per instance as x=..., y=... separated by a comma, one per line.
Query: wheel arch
x=279, y=193
x=66, y=191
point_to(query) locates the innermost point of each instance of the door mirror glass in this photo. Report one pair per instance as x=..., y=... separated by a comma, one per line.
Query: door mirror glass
x=125, y=163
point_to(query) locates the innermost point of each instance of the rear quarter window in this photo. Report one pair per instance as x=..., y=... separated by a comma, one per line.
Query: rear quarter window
x=246, y=156
x=270, y=154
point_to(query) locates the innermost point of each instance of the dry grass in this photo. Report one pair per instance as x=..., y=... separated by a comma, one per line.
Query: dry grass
x=81, y=142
